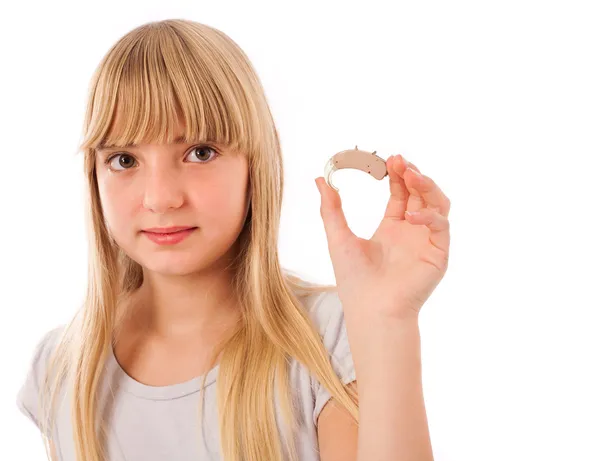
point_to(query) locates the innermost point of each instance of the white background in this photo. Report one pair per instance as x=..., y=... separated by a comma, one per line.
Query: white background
x=498, y=102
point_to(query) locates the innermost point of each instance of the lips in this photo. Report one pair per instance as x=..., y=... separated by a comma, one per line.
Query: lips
x=167, y=230
x=168, y=235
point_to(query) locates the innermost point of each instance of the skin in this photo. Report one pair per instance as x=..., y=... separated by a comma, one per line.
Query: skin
x=399, y=267
x=184, y=304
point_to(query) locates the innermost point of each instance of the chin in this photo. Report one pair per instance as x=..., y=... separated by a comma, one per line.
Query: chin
x=174, y=264
x=170, y=270
x=186, y=262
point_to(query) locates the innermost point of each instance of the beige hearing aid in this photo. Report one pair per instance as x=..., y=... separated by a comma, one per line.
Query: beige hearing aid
x=358, y=160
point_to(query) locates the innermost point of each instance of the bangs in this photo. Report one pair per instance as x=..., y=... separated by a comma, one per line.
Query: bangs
x=155, y=82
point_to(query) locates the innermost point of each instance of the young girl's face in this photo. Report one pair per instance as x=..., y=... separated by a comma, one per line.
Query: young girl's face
x=203, y=186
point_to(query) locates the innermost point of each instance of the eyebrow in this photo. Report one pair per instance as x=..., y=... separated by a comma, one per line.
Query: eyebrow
x=177, y=140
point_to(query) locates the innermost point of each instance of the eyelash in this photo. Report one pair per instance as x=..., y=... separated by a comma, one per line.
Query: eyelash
x=217, y=154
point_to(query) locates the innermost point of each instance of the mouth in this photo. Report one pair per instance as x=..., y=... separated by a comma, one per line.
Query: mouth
x=167, y=230
x=168, y=235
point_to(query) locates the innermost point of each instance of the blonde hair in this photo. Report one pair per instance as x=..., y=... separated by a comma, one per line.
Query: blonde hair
x=158, y=74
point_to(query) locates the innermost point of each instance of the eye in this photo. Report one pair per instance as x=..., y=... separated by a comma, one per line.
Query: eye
x=125, y=161
x=198, y=154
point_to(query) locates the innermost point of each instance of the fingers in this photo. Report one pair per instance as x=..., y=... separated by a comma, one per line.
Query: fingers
x=404, y=193
x=439, y=226
x=413, y=180
x=334, y=220
x=398, y=192
x=432, y=195
x=411, y=191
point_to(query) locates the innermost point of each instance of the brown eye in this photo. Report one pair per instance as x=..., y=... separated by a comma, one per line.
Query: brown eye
x=201, y=154
x=123, y=162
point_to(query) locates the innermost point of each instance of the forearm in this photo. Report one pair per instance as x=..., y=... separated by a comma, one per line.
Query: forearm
x=392, y=417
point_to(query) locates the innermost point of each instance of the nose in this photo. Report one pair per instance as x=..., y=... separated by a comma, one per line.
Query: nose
x=163, y=190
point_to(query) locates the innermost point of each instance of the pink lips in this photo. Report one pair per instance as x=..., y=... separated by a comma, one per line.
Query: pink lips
x=166, y=230
x=168, y=235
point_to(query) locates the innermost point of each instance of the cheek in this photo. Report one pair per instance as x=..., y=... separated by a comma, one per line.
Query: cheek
x=117, y=204
x=221, y=202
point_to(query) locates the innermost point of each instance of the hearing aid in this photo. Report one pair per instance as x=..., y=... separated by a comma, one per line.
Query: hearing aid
x=356, y=159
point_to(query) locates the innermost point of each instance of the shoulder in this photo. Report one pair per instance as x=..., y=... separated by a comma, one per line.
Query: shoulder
x=325, y=310
x=43, y=349
x=327, y=314
x=28, y=396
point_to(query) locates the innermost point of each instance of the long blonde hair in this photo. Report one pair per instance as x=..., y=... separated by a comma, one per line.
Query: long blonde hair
x=158, y=74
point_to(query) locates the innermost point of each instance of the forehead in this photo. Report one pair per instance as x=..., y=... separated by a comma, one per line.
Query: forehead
x=177, y=136
x=179, y=140
x=131, y=127
x=122, y=126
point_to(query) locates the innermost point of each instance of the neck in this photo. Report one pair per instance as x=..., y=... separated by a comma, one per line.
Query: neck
x=194, y=305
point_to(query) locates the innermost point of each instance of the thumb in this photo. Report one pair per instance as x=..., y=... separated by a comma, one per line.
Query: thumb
x=336, y=226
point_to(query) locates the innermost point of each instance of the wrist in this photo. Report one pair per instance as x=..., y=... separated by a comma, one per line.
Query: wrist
x=377, y=341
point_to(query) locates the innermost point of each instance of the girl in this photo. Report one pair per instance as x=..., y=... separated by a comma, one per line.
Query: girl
x=192, y=342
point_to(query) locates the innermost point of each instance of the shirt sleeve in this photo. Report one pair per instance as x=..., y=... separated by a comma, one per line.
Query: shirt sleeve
x=329, y=316
x=28, y=396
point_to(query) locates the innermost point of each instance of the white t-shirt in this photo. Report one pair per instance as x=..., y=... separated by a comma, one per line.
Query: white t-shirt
x=162, y=423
